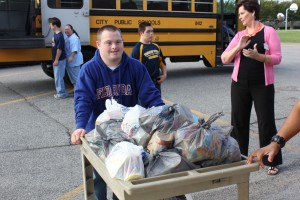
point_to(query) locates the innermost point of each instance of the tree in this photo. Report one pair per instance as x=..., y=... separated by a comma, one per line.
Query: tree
x=269, y=10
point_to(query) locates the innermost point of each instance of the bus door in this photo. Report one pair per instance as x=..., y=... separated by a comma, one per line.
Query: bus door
x=75, y=12
x=226, y=30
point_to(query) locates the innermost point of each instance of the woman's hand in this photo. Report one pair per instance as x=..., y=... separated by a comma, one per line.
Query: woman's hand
x=244, y=41
x=251, y=53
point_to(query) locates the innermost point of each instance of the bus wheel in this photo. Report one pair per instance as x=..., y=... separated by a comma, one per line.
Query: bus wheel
x=48, y=69
x=88, y=54
x=206, y=63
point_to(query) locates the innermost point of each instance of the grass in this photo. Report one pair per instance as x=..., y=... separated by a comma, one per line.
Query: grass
x=289, y=36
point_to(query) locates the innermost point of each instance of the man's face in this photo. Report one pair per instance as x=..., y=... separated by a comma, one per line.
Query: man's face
x=110, y=45
x=51, y=26
x=147, y=35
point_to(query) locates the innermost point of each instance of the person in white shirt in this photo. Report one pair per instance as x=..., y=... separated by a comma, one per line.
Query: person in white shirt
x=73, y=52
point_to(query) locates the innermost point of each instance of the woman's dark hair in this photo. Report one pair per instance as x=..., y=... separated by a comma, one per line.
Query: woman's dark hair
x=71, y=27
x=250, y=6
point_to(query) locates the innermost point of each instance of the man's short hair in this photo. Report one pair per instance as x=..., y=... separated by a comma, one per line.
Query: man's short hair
x=55, y=21
x=111, y=28
x=143, y=25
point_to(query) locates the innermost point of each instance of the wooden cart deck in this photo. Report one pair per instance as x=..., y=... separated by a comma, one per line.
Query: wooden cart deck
x=169, y=185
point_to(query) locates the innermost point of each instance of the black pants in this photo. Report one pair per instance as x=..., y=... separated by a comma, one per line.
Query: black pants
x=242, y=97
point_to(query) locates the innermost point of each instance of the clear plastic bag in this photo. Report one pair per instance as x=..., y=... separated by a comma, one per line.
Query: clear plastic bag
x=167, y=161
x=108, y=134
x=114, y=110
x=125, y=162
x=160, y=141
x=172, y=118
x=207, y=145
x=148, y=117
x=141, y=137
x=165, y=118
x=130, y=123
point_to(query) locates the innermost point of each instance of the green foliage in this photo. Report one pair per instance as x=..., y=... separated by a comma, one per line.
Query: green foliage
x=269, y=10
x=289, y=36
x=229, y=6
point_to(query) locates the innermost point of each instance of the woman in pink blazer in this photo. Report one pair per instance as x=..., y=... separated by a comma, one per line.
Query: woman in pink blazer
x=255, y=51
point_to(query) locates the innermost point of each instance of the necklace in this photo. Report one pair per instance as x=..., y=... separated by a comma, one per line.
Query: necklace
x=256, y=30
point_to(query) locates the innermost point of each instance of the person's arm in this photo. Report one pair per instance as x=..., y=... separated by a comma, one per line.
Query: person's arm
x=71, y=57
x=289, y=129
x=60, y=45
x=83, y=103
x=235, y=46
x=58, y=53
x=163, y=76
x=253, y=54
x=273, y=46
x=163, y=67
x=74, y=42
x=292, y=124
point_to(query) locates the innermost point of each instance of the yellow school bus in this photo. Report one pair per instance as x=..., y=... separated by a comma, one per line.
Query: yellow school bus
x=186, y=30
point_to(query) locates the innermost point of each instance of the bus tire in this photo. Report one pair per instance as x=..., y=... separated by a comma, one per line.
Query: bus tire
x=88, y=54
x=206, y=63
x=47, y=69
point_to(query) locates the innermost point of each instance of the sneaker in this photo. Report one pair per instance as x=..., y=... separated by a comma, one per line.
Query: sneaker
x=56, y=96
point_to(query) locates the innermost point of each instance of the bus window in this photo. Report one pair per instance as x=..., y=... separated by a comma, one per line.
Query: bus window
x=131, y=4
x=16, y=18
x=157, y=5
x=204, y=5
x=65, y=4
x=111, y=4
x=181, y=5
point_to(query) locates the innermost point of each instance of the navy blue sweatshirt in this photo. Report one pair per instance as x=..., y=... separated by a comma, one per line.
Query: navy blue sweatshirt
x=129, y=82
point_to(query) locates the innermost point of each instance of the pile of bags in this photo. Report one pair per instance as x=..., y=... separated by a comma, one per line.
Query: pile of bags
x=136, y=142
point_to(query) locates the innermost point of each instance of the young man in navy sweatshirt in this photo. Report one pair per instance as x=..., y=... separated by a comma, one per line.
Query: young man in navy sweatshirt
x=111, y=73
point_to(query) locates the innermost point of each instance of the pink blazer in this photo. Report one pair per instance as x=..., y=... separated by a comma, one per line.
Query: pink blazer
x=273, y=49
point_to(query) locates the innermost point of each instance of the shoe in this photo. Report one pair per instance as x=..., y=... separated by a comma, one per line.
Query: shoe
x=273, y=170
x=56, y=96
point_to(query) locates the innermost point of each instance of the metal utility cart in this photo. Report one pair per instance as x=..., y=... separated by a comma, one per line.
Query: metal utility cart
x=169, y=185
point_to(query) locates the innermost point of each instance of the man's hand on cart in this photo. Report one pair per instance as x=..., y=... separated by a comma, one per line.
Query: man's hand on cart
x=271, y=151
x=75, y=137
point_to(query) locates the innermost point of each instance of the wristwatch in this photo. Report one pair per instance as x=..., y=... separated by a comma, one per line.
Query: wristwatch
x=279, y=140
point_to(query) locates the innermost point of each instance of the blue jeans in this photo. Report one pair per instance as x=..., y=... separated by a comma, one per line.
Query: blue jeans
x=59, y=73
x=100, y=187
x=73, y=73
